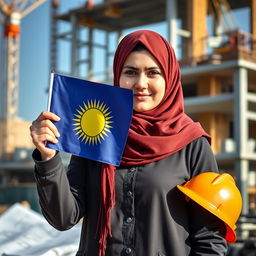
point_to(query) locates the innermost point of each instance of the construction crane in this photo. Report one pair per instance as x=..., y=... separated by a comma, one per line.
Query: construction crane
x=221, y=13
x=11, y=14
x=224, y=24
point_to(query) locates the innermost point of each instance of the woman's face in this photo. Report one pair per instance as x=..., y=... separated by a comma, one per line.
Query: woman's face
x=142, y=73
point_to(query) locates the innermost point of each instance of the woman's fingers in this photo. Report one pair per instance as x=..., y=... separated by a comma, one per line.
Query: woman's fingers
x=43, y=130
x=42, y=138
x=47, y=115
x=45, y=125
x=46, y=153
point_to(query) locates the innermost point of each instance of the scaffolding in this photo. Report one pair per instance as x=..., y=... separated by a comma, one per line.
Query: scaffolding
x=111, y=18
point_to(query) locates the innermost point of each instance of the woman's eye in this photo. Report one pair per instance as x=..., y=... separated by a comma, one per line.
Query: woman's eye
x=154, y=72
x=130, y=72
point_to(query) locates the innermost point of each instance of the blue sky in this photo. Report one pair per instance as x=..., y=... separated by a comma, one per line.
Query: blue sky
x=34, y=55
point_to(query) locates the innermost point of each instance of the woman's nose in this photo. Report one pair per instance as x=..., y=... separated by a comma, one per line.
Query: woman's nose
x=142, y=81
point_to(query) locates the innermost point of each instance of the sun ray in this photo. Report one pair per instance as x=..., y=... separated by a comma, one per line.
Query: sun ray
x=79, y=132
x=81, y=113
x=82, y=109
x=87, y=139
x=107, y=114
x=88, y=104
x=98, y=104
x=98, y=139
x=81, y=135
x=85, y=106
x=102, y=136
x=105, y=110
x=78, y=116
x=103, y=132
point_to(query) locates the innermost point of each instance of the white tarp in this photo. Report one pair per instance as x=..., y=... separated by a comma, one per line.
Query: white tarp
x=24, y=232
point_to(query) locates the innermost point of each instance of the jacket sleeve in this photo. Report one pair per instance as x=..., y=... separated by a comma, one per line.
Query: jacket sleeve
x=62, y=199
x=207, y=232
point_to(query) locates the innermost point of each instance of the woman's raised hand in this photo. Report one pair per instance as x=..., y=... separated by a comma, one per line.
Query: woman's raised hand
x=42, y=130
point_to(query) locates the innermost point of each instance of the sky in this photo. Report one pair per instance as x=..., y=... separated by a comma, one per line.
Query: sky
x=35, y=54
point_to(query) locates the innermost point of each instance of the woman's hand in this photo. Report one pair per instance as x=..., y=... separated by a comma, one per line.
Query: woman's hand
x=42, y=130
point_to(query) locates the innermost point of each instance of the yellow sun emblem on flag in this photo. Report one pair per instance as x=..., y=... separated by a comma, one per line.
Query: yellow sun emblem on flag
x=92, y=122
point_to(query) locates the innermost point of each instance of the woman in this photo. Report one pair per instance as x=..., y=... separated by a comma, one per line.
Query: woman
x=135, y=209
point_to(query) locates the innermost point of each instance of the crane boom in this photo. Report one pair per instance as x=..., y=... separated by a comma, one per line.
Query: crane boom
x=32, y=7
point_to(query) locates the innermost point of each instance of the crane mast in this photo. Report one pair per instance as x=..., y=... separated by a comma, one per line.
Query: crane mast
x=12, y=13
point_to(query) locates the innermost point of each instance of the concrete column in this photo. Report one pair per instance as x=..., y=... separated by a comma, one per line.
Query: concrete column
x=171, y=19
x=240, y=81
x=90, y=54
x=242, y=176
x=107, y=54
x=74, y=48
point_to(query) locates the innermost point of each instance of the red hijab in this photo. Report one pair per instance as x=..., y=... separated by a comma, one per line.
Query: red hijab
x=154, y=134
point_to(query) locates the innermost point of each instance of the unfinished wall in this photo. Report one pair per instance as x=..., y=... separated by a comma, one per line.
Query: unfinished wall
x=14, y=134
x=216, y=124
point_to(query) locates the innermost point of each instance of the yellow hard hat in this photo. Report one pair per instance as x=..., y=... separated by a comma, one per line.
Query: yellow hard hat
x=218, y=194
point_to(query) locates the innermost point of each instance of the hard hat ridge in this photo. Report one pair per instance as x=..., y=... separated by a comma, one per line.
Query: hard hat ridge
x=222, y=176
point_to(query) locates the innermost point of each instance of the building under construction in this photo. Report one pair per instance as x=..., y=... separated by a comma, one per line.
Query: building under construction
x=218, y=68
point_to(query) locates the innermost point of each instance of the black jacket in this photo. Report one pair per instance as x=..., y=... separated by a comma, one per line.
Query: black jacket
x=151, y=217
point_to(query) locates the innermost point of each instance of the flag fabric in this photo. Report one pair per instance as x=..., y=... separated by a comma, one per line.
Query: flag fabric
x=95, y=118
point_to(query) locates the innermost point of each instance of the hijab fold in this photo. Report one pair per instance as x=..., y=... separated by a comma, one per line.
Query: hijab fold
x=154, y=134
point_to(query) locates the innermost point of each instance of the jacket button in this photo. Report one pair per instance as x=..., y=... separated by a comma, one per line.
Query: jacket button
x=128, y=220
x=129, y=193
x=128, y=250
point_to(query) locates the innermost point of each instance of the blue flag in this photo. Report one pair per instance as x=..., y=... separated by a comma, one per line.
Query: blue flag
x=95, y=118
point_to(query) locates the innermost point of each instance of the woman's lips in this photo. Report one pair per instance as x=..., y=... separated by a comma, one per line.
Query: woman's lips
x=141, y=96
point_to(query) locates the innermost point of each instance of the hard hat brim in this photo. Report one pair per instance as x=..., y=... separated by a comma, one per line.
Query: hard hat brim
x=230, y=234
